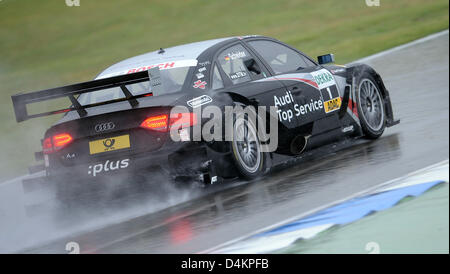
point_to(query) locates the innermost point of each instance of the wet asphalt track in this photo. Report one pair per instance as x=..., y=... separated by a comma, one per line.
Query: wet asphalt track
x=417, y=78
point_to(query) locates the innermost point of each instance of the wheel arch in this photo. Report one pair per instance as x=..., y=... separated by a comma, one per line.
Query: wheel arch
x=356, y=70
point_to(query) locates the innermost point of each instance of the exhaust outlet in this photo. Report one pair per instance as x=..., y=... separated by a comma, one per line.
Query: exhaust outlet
x=298, y=144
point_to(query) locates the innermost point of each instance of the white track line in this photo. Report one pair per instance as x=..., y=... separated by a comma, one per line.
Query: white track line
x=309, y=212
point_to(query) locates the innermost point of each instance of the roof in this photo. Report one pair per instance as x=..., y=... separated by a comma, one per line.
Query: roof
x=183, y=52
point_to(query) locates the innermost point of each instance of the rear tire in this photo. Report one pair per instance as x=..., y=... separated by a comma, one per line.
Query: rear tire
x=370, y=104
x=246, y=150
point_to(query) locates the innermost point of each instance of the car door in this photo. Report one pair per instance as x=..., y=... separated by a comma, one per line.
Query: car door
x=242, y=73
x=312, y=87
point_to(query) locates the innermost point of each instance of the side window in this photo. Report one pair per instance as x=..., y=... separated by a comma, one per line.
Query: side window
x=231, y=61
x=280, y=58
x=217, y=82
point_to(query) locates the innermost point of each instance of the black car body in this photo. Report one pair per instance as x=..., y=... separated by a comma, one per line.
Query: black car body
x=102, y=134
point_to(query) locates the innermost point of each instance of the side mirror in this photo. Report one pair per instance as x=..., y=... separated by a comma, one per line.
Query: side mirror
x=325, y=59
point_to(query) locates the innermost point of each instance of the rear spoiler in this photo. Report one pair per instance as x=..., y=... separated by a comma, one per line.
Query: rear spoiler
x=21, y=100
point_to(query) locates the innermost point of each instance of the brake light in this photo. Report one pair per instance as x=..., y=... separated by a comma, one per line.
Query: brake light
x=61, y=140
x=162, y=123
x=158, y=123
x=56, y=142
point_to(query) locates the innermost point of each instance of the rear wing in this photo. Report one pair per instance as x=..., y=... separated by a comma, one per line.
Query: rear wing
x=21, y=100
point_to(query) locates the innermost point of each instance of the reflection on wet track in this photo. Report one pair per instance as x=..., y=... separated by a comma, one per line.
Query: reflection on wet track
x=419, y=91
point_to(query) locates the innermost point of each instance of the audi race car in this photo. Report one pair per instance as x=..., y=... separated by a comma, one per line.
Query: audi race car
x=123, y=123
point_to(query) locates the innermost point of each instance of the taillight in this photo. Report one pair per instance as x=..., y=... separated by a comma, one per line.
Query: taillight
x=158, y=123
x=163, y=123
x=56, y=142
x=61, y=140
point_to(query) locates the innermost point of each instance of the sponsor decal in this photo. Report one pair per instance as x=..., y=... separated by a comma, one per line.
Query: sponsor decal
x=280, y=101
x=199, y=101
x=104, y=127
x=109, y=144
x=347, y=129
x=312, y=106
x=161, y=66
x=323, y=78
x=235, y=55
x=107, y=166
x=333, y=104
x=200, y=75
x=200, y=84
x=298, y=110
x=203, y=64
x=238, y=74
x=202, y=69
x=328, y=90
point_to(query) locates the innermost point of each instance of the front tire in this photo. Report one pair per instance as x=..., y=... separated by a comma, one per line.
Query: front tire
x=370, y=104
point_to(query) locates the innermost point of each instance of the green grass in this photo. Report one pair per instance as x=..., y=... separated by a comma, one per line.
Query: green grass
x=46, y=44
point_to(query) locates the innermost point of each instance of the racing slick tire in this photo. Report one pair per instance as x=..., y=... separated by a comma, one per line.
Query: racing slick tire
x=246, y=149
x=370, y=105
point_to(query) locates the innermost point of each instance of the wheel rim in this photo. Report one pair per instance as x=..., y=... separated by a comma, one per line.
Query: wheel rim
x=371, y=104
x=246, y=145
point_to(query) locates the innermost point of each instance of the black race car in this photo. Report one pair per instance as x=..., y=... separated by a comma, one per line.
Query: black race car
x=124, y=123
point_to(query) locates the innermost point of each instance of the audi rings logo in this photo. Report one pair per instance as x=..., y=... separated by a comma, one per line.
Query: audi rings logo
x=104, y=127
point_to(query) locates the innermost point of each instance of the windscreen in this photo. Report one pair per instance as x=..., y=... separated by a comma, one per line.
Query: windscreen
x=172, y=81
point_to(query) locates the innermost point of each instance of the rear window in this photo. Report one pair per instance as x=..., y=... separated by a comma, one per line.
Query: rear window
x=172, y=81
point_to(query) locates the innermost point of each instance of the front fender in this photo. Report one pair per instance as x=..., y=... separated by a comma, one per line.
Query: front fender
x=356, y=70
